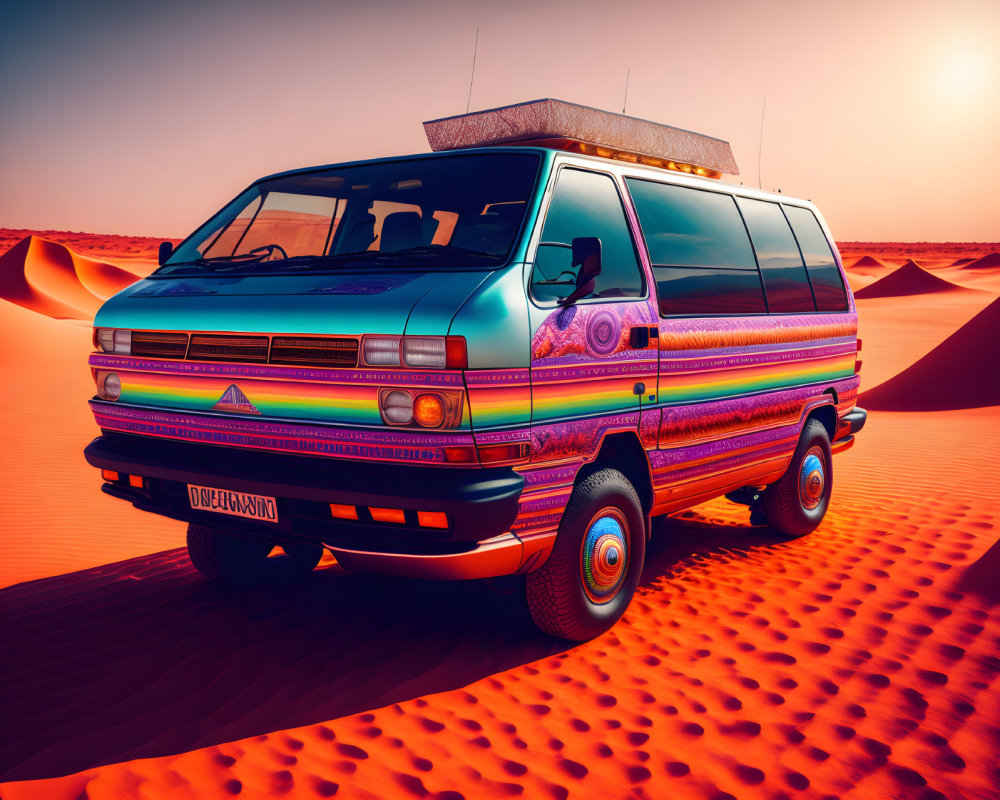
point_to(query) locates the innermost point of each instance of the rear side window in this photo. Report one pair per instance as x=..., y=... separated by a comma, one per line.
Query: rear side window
x=702, y=259
x=785, y=280
x=827, y=282
x=585, y=204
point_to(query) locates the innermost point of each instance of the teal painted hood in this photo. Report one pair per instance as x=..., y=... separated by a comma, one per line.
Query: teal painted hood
x=341, y=303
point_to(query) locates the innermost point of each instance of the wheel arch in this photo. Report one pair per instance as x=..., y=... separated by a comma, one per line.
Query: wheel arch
x=624, y=452
x=826, y=414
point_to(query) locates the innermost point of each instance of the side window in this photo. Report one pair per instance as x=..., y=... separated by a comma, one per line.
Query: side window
x=827, y=282
x=785, y=280
x=702, y=260
x=585, y=204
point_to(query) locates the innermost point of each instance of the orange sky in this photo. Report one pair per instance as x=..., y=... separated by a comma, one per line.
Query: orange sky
x=144, y=120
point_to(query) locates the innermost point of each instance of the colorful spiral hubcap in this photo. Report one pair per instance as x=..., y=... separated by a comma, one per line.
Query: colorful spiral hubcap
x=604, y=557
x=812, y=479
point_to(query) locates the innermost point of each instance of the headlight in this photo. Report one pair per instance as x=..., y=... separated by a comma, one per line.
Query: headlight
x=397, y=407
x=424, y=352
x=434, y=409
x=381, y=351
x=416, y=352
x=114, y=341
x=109, y=385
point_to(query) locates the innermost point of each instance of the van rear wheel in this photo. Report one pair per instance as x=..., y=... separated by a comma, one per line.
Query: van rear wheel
x=588, y=580
x=796, y=504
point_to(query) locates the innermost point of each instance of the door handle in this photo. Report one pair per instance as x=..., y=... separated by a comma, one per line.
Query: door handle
x=640, y=336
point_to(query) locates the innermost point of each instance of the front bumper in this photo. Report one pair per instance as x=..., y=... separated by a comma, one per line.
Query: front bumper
x=481, y=503
x=848, y=425
x=854, y=420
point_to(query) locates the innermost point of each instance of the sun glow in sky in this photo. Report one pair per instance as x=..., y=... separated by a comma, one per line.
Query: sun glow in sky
x=966, y=74
x=143, y=118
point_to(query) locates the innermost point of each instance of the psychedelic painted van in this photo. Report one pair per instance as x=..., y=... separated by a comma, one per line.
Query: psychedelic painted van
x=503, y=357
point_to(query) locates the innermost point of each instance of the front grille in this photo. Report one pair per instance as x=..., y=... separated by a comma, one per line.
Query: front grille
x=156, y=344
x=210, y=347
x=314, y=352
x=306, y=351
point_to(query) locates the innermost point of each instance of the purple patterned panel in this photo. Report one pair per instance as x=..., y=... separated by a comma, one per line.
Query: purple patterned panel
x=581, y=333
x=686, y=463
x=547, y=477
x=388, y=445
x=577, y=438
x=723, y=418
x=737, y=334
x=355, y=285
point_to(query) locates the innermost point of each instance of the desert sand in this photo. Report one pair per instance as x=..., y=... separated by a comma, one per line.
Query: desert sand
x=859, y=661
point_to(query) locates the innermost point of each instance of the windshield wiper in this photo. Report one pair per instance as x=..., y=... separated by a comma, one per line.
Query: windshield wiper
x=445, y=249
x=231, y=265
x=224, y=264
x=374, y=257
x=214, y=264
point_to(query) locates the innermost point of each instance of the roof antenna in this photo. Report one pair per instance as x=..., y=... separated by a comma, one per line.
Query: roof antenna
x=475, y=52
x=625, y=101
x=760, y=145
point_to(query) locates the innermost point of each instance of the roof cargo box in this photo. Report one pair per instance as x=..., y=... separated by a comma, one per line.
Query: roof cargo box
x=557, y=123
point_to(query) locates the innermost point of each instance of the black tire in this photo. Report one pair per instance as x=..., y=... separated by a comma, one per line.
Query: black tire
x=796, y=503
x=224, y=558
x=298, y=559
x=568, y=597
x=233, y=560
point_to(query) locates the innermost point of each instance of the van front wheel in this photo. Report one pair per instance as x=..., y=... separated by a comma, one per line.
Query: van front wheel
x=224, y=558
x=796, y=504
x=588, y=581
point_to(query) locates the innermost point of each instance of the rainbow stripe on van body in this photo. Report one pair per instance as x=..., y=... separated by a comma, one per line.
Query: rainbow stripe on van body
x=499, y=398
x=339, y=396
x=730, y=402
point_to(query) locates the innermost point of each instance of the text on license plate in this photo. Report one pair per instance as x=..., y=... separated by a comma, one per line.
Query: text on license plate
x=238, y=504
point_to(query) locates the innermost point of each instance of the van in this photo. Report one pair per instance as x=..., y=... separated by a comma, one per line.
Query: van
x=505, y=357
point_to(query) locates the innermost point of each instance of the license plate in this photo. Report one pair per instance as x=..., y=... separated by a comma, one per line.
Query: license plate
x=237, y=504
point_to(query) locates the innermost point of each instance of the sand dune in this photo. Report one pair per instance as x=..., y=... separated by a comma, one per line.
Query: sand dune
x=909, y=279
x=857, y=662
x=961, y=372
x=50, y=279
x=867, y=261
x=961, y=262
x=986, y=262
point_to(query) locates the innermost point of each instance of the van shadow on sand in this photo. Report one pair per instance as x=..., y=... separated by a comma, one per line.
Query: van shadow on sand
x=143, y=658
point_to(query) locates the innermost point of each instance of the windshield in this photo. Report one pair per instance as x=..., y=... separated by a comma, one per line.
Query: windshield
x=451, y=211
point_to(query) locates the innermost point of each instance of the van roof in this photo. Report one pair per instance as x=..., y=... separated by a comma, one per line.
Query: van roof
x=623, y=167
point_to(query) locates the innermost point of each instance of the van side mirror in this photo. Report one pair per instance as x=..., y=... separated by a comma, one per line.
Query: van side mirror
x=166, y=250
x=587, y=256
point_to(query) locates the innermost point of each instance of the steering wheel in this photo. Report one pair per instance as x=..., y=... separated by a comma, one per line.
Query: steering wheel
x=267, y=251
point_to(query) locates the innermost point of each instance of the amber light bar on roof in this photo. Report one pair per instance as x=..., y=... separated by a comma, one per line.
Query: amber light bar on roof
x=548, y=122
x=585, y=148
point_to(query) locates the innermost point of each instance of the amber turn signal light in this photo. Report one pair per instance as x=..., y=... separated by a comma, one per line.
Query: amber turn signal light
x=432, y=519
x=465, y=454
x=109, y=475
x=388, y=515
x=343, y=512
x=499, y=453
x=428, y=410
x=136, y=481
